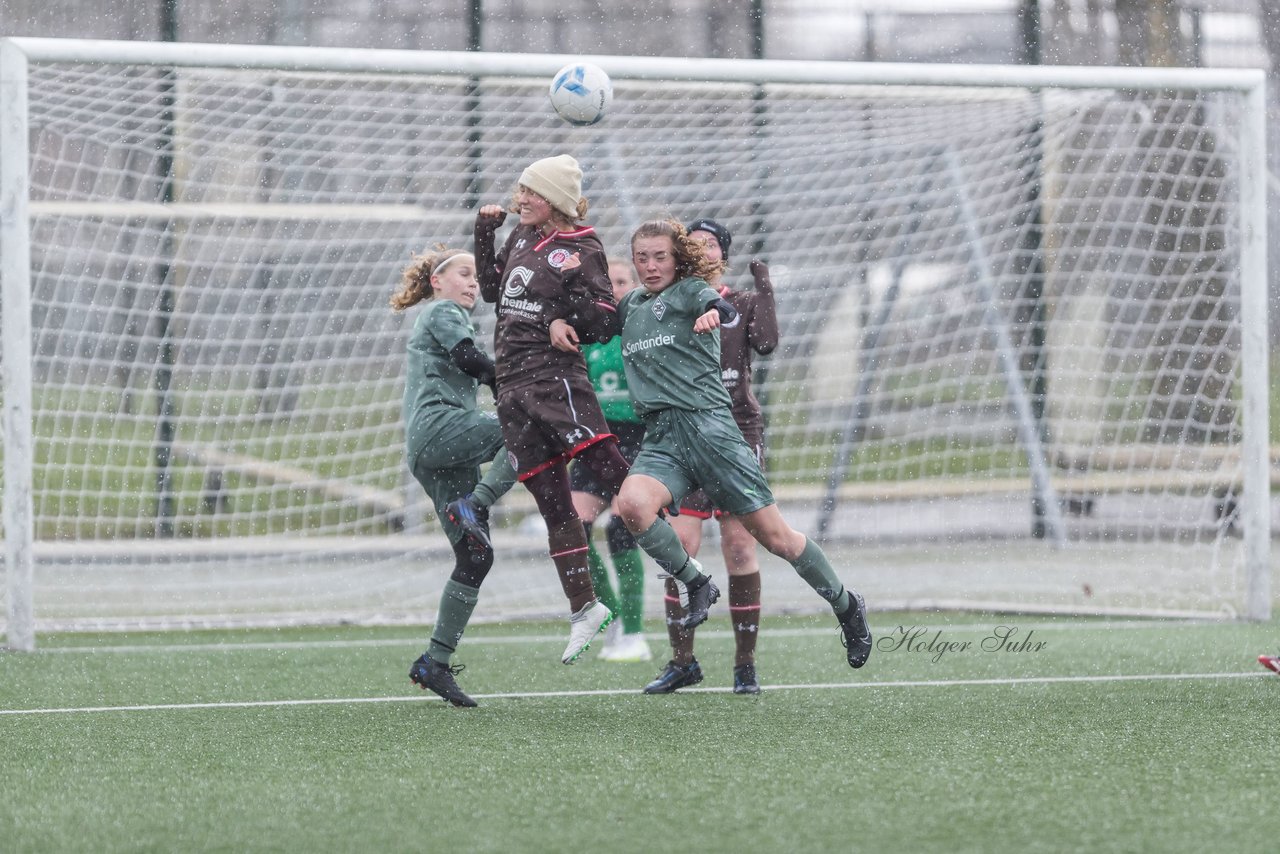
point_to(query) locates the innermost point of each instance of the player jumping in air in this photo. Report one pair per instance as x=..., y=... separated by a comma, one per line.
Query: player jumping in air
x=671, y=351
x=447, y=439
x=756, y=332
x=551, y=286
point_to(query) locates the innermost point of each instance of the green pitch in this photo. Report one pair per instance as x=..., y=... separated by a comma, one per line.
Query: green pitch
x=1065, y=734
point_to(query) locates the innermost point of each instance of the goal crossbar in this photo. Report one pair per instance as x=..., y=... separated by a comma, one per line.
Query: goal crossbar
x=373, y=61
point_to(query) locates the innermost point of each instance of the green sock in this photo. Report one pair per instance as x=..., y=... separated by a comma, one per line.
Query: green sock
x=496, y=481
x=630, y=567
x=661, y=543
x=456, y=604
x=600, y=578
x=812, y=565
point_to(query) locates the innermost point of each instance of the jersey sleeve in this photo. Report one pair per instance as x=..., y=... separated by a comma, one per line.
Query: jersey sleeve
x=762, y=323
x=706, y=295
x=490, y=264
x=593, y=313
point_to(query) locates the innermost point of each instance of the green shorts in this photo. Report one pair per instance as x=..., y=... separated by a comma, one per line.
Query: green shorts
x=686, y=450
x=448, y=467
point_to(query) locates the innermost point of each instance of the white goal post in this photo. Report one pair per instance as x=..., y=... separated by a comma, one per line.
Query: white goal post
x=1024, y=357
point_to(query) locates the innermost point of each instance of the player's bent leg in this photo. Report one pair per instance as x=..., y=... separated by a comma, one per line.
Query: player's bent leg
x=767, y=527
x=471, y=516
x=738, y=547
x=689, y=529
x=641, y=498
x=566, y=538
x=639, y=501
x=607, y=463
x=497, y=480
x=811, y=564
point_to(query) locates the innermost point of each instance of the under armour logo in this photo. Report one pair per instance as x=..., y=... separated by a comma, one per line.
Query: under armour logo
x=746, y=627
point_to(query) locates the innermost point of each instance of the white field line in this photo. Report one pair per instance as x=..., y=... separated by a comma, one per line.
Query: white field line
x=632, y=692
x=481, y=640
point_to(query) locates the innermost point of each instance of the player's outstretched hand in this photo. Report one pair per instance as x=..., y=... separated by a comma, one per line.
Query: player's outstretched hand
x=760, y=272
x=489, y=217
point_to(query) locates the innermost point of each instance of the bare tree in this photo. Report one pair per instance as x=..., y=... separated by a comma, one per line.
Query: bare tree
x=1150, y=33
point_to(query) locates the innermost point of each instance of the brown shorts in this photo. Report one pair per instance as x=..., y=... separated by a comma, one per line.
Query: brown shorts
x=549, y=422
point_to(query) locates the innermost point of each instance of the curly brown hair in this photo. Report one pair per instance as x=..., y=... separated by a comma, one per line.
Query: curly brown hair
x=691, y=259
x=415, y=280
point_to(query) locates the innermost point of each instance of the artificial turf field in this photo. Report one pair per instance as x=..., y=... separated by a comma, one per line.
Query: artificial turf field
x=1112, y=736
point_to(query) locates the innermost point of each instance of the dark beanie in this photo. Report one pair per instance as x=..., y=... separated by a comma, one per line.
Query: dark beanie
x=715, y=229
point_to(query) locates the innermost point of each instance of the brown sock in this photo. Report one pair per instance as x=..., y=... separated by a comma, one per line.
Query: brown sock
x=744, y=610
x=566, y=538
x=681, y=639
x=568, y=545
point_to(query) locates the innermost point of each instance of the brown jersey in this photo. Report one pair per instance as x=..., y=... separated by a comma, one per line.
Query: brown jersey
x=532, y=284
x=757, y=331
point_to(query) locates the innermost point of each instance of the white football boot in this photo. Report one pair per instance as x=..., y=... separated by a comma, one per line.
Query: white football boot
x=583, y=627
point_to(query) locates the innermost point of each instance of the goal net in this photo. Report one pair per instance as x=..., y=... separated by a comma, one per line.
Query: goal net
x=1022, y=319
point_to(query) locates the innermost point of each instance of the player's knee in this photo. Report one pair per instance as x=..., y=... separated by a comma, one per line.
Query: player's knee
x=738, y=548
x=787, y=544
x=472, y=562
x=635, y=509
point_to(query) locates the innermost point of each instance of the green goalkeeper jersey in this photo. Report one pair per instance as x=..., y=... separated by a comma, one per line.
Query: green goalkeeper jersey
x=608, y=376
x=668, y=365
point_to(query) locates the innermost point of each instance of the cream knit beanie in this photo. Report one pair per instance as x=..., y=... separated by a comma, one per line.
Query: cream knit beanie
x=558, y=180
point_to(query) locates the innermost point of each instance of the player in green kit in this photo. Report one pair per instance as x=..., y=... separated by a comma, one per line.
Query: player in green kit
x=671, y=351
x=447, y=439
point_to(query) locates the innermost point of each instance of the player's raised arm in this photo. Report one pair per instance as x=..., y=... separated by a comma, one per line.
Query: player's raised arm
x=488, y=265
x=762, y=330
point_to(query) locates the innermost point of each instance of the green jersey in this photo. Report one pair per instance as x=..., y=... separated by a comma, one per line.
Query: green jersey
x=604, y=367
x=434, y=387
x=668, y=365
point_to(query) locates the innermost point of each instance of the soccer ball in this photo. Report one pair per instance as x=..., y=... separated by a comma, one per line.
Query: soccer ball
x=580, y=93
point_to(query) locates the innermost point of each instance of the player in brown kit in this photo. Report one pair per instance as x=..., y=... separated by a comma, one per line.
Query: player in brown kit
x=550, y=282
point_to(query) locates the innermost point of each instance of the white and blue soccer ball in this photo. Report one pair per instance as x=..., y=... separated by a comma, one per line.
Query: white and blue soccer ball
x=581, y=93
